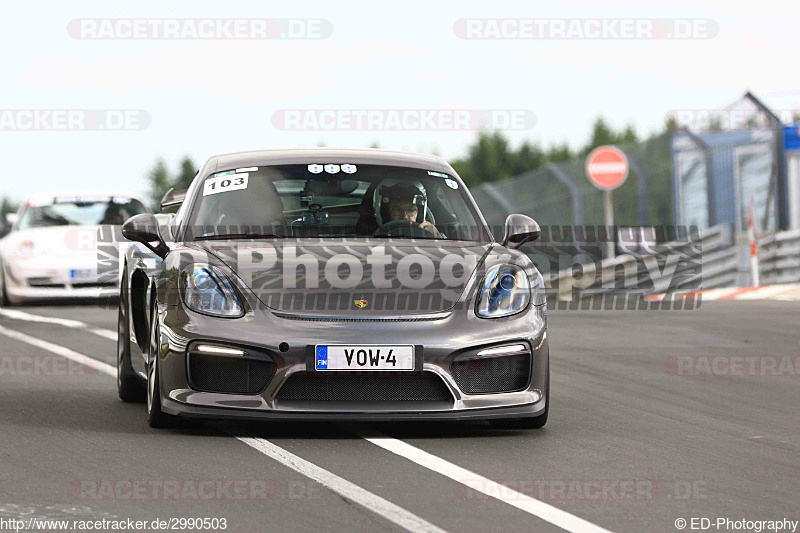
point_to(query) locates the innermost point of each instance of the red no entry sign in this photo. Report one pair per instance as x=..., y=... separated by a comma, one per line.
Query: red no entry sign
x=607, y=167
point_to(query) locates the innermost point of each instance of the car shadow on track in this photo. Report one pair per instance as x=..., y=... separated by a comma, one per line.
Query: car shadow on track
x=99, y=410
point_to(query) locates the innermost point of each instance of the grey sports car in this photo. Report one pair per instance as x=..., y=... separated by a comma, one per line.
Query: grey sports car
x=331, y=285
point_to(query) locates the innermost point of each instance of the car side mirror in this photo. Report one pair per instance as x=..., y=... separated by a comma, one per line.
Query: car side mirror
x=520, y=229
x=173, y=197
x=144, y=229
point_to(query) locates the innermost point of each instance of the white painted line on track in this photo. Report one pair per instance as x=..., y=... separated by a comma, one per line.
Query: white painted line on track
x=85, y=360
x=505, y=494
x=346, y=489
x=341, y=486
x=15, y=314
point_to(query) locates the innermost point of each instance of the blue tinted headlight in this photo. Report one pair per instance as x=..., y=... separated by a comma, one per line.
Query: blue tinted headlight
x=207, y=290
x=505, y=292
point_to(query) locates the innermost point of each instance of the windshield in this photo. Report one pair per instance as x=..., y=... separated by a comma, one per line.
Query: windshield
x=80, y=212
x=333, y=200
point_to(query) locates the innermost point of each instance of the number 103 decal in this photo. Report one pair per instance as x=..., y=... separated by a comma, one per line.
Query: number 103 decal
x=225, y=183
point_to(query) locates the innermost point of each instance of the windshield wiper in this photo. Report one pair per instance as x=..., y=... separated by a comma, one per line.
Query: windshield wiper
x=232, y=236
x=411, y=237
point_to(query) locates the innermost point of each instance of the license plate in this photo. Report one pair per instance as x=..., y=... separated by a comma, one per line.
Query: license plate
x=83, y=274
x=364, y=357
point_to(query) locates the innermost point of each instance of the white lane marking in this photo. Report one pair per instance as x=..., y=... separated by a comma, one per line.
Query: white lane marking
x=85, y=360
x=66, y=322
x=546, y=512
x=341, y=486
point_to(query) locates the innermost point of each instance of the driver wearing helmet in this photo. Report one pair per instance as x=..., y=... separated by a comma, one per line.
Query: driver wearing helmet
x=406, y=201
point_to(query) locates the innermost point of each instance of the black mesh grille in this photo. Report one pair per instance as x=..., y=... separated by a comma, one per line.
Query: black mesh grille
x=44, y=282
x=87, y=284
x=365, y=387
x=211, y=373
x=492, y=374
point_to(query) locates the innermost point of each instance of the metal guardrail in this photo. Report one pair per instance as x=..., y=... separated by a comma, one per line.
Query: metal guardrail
x=681, y=265
x=708, y=261
x=779, y=257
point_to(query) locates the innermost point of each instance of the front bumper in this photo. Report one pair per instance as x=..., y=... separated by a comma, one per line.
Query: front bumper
x=48, y=280
x=192, y=411
x=438, y=342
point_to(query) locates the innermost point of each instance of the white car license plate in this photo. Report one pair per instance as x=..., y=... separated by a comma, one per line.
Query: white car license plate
x=83, y=274
x=364, y=357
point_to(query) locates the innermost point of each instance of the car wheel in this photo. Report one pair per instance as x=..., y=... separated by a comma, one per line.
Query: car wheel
x=531, y=422
x=155, y=416
x=129, y=384
x=3, y=294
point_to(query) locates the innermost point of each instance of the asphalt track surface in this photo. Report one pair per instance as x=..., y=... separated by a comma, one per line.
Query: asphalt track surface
x=632, y=443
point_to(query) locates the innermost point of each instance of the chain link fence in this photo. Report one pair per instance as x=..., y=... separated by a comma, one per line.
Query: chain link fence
x=559, y=194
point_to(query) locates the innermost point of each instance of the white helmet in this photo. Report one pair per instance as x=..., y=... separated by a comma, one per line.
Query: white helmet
x=399, y=190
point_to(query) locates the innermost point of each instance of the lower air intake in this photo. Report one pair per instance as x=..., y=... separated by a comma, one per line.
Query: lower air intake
x=492, y=374
x=231, y=375
x=365, y=387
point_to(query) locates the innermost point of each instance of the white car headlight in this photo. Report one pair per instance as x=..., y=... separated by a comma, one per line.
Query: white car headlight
x=26, y=249
x=505, y=292
x=207, y=290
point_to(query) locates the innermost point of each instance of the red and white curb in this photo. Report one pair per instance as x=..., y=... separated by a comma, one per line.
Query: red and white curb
x=786, y=292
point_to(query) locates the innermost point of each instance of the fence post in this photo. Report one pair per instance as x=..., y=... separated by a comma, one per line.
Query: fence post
x=644, y=216
x=574, y=191
x=711, y=200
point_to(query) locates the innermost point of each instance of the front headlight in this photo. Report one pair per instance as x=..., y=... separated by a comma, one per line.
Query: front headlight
x=505, y=292
x=207, y=290
x=26, y=249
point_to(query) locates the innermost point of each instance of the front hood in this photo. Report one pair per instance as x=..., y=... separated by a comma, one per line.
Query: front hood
x=351, y=279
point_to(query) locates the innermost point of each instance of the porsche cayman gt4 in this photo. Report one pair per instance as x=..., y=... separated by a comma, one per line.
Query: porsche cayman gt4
x=331, y=285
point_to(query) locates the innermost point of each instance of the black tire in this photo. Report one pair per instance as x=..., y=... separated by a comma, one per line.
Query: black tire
x=155, y=416
x=531, y=422
x=130, y=386
x=4, y=301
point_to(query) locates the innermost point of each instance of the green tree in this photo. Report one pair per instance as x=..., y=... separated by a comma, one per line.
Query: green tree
x=528, y=157
x=671, y=124
x=160, y=182
x=559, y=153
x=628, y=136
x=601, y=134
x=186, y=174
x=7, y=206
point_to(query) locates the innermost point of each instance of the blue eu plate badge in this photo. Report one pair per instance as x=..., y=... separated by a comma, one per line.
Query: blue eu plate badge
x=322, y=357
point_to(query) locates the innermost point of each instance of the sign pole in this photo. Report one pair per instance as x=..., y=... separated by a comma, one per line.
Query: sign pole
x=608, y=208
x=607, y=169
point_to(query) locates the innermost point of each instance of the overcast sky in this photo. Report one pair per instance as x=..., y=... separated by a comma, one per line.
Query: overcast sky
x=214, y=96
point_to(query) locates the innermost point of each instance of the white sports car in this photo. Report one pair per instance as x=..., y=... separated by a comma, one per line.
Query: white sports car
x=53, y=251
